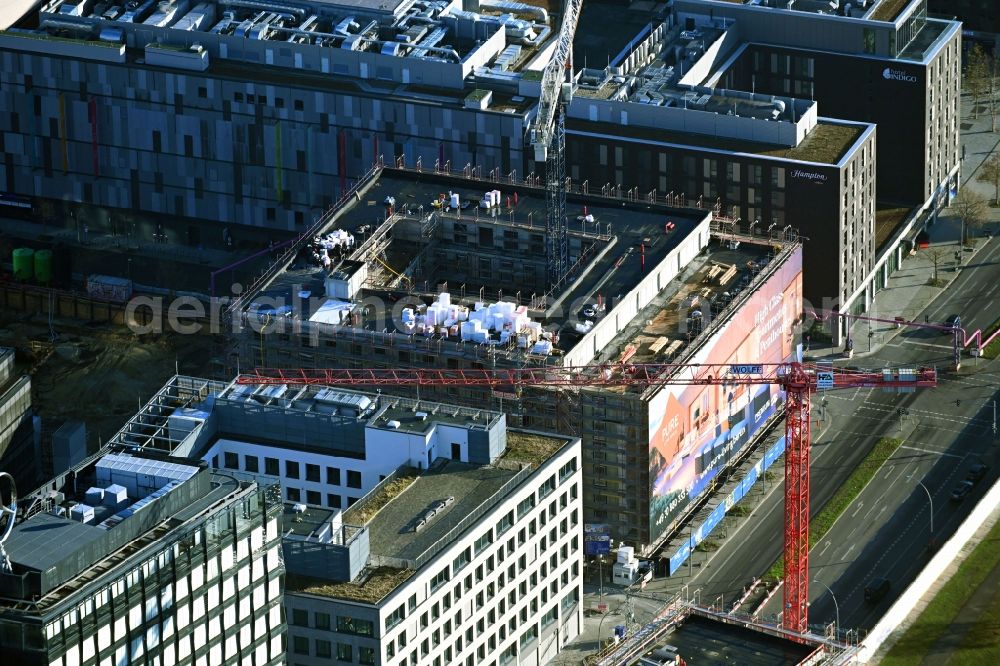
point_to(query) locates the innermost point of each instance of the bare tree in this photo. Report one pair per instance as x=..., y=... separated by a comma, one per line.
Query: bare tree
x=977, y=74
x=970, y=207
x=937, y=255
x=989, y=172
x=991, y=71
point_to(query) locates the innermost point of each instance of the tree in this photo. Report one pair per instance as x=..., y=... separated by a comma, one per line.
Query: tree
x=970, y=207
x=992, y=70
x=989, y=172
x=937, y=255
x=977, y=74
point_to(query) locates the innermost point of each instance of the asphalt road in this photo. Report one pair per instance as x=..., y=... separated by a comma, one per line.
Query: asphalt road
x=887, y=529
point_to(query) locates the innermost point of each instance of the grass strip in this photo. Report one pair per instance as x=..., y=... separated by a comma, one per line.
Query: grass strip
x=845, y=495
x=992, y=350
x=981, y=642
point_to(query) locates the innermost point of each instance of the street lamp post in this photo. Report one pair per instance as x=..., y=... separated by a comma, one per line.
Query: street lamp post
x=600, y=575
x=836, y=607
x=931, y=500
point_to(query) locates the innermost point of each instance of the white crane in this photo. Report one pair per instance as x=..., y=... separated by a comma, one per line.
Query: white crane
x=547, y=135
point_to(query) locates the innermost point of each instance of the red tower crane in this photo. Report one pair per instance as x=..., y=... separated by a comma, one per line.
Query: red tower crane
x=798, y=380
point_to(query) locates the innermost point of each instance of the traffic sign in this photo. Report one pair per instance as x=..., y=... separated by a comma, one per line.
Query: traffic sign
x=824, y=380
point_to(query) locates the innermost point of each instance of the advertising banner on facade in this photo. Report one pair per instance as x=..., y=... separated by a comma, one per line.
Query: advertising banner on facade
x=695, y=431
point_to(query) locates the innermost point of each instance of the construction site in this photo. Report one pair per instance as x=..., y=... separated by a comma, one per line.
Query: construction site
x=419, y=270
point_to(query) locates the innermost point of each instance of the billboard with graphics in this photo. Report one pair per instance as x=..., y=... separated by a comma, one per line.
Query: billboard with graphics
x=695, y=431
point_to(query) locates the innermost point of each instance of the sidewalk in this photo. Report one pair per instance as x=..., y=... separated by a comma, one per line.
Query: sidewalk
x=907, y=292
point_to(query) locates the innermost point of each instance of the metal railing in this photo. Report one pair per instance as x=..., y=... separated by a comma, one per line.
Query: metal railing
x=292, y=250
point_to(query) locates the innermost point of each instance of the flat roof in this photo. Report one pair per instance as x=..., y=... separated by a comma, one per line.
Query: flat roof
x=42, y=541
x=373, y=585
x=637, y=228
x=45, y=541
x=887, y=220
x=661, y=325
x=418, y=418
x=392, y=533
x=531, y=448
x=392, y=509
x=826, y=143
x=887, y=10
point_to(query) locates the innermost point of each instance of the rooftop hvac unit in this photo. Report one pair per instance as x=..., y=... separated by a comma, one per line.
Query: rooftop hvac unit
x=82, y=513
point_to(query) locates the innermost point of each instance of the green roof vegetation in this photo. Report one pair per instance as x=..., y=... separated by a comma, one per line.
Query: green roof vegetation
x=888, y=10
x=531, y=448
x=826, y=143
x=371, y=587
x=844, y=497
x=887, y=220
x=364, y=511
x=532, y=75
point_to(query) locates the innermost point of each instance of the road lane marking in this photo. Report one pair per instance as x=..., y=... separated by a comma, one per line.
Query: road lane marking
x=920, y=344
x=936, y=453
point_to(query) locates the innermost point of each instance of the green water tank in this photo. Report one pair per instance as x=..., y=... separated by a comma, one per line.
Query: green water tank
x=24, y=263
x=43, y=266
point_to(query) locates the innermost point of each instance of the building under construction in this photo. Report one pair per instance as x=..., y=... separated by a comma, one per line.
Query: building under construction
x=421, y=271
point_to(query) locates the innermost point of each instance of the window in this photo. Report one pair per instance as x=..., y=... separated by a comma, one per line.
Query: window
x=463, y=559
x=352, y=625
x=324, y=649
x=271, y=466
x=439, y=579
x=322, y=621
x=366, y=655
x=333, y=500
x=313, y=497
x=232, y=460
x=300, y=617
x=344, y=652
x=484, y=541
x=298, y=105
x=353, y=479
x=526, y=505
x=395, y=617
x=333, y=476
x=291, y=469
x=293, y=494
x=300, y=645
x=547, y=487
x=251, y=463
x=312, y=472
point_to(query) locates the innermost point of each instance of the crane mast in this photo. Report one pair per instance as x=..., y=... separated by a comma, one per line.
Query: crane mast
x=799, y=381
x=547, y=136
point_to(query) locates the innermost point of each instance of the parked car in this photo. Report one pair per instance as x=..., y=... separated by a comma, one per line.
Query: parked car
x=976, y=472
x=961, y=491
x=876, y=590
x=953, y=320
